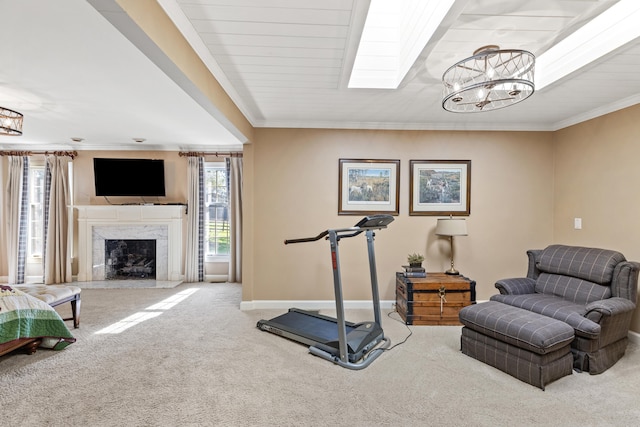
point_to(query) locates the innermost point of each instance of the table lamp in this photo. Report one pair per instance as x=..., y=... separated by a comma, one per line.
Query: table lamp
x=451, y=227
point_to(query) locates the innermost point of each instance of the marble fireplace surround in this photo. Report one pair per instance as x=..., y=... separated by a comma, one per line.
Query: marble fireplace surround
x=162, y=223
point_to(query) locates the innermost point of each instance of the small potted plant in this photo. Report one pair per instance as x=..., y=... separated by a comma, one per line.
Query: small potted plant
x=415, y=260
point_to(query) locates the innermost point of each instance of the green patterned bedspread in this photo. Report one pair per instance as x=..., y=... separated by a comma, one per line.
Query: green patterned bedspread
x=23, y=316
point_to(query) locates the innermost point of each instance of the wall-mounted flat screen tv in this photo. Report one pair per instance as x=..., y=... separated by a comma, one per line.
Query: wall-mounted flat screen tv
x=129, y=177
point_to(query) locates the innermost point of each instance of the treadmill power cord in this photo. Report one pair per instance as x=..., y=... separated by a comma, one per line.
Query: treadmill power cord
x=397, y=319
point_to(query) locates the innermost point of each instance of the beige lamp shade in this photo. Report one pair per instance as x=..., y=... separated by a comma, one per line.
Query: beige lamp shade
x=451, y=227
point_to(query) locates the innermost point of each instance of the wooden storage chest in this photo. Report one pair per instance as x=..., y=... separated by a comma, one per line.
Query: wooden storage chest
x=433, y=300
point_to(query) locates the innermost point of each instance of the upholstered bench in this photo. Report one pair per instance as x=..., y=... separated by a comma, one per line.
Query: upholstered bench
x=533, y=348
x=55, y=295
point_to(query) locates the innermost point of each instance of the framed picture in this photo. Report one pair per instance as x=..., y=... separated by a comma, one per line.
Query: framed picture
x=368, y=187
x=440, y=187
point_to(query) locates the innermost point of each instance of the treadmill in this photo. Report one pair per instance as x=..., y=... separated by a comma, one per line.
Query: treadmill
x=350, y=345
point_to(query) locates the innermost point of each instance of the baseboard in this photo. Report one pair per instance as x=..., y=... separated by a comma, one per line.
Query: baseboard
x=634, y=337
x=310, y=305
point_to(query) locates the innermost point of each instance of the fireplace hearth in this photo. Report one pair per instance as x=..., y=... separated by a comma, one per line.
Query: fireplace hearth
x=130, y=259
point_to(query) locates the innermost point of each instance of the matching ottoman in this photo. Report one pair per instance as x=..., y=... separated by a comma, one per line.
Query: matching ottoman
x=535, y=349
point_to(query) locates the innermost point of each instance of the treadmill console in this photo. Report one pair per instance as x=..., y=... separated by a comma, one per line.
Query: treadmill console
x=372, y=221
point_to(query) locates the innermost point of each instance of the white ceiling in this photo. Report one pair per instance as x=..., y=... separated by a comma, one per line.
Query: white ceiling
x=82, y=69
x=74, y=75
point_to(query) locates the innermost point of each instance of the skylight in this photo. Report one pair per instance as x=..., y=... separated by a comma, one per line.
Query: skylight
x=608, y=31
x=394, y=35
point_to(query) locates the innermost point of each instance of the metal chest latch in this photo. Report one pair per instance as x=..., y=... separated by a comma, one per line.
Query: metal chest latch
x=443, y=299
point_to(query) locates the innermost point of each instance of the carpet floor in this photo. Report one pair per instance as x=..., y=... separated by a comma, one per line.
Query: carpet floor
x=189, y=357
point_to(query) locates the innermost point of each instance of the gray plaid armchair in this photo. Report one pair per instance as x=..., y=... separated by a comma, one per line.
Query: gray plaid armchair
x=592, y=290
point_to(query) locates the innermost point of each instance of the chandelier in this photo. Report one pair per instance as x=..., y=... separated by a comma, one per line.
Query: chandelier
x=10, y=122
x=488, y=80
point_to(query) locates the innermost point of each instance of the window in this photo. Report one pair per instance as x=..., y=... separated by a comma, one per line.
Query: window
x=216, y=210
x=36, y=210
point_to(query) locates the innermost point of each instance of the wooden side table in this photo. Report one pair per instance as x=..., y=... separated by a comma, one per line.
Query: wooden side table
x=433, y=300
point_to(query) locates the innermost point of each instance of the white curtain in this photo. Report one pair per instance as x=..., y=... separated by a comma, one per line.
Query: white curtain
x=194, y=254
x=235, y=213
x=15, y=217
x=4, y=173
x=57, y=260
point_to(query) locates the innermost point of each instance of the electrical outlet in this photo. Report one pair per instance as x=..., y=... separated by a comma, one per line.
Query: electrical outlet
x=577, y=223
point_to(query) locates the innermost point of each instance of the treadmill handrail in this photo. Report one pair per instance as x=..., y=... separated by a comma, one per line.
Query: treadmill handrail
x=354, y=231
x=307, y=239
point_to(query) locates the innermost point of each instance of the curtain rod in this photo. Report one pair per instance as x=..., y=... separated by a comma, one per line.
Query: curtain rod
x=71, y=154
x=211, y=153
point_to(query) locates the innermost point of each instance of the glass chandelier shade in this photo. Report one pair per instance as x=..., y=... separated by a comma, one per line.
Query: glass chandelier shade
x=490, y=79
x=10, y=122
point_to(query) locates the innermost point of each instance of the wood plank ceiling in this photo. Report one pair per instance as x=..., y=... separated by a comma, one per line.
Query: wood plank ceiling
x=84, y=69
x=286, y=63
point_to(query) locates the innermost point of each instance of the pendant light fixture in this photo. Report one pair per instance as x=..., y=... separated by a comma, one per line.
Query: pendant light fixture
x=10, y=122
x=490, y=79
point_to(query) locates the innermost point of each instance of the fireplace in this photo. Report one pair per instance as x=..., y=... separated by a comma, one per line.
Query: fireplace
x=102, y=234
x=97, y=224
x=127, y=259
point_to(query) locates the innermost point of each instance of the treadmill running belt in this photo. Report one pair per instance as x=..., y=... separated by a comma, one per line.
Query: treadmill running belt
x=319, y=329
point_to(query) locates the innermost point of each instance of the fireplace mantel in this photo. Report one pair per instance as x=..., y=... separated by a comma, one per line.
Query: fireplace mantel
x=162, y=222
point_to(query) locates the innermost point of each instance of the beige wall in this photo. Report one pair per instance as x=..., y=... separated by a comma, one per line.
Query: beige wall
x=596, y=180
x=292, y=190
x=526, y=189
